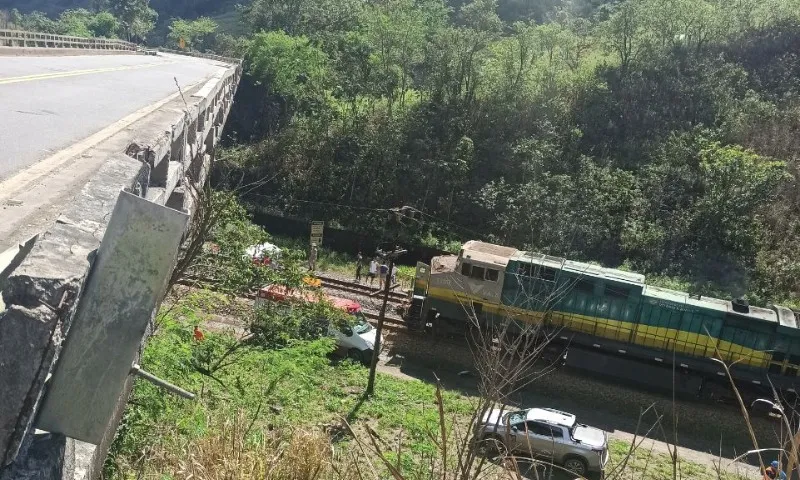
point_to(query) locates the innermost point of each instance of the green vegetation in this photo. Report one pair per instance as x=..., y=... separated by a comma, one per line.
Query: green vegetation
x=135, y=16
x=285, y=390
x=646, y=464
x=77, y=23
x=254, y=402
x=222, y=256
x=194, y=33
x=128, y=19
x=654, y=134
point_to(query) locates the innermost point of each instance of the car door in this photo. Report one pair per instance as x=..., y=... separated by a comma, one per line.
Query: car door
x=514, y=436
x=344, y=336
x=559, y=444
x=539, y=441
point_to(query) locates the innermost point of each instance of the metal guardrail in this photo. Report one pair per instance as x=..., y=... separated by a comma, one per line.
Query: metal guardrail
x=219, y=58
x=23, y=39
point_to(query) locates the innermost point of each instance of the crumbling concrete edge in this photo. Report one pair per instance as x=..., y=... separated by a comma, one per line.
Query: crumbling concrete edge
x=42, y=292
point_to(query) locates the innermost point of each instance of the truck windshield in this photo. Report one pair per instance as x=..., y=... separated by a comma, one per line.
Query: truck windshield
x=514, y=418
x=362, y=325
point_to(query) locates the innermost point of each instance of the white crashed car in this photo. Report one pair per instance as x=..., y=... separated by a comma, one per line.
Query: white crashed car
x=265, y=253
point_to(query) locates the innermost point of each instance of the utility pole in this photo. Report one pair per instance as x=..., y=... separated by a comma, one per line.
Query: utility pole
x=386, y=289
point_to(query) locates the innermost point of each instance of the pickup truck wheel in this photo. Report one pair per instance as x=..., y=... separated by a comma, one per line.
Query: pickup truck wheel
x=576, y=465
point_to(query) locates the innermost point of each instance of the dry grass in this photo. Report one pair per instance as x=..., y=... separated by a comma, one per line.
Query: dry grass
x=224, y=454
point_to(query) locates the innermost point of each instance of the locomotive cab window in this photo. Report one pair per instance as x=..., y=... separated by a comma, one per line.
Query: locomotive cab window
x=477, y=272
x=465, y=269
x=548, y=274
x=492, y=275
x=524, y=270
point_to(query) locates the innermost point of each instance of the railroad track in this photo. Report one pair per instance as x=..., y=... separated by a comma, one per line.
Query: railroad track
x=359, y=289
x=327, y=282
x=389, y=323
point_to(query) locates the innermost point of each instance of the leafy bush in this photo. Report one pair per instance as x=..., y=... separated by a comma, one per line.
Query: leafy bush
x=224, y=258
x=279, y=324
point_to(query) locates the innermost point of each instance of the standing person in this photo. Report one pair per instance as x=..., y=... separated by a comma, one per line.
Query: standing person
x=394, y=274
x=373, y=271
x=384, y=275
x=359, y=266
x=312, y=257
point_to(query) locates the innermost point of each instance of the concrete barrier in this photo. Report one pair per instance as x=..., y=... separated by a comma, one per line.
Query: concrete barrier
x=159, y=159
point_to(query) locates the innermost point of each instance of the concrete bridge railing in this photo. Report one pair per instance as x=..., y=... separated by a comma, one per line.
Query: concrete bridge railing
x=79, y=296
x=23, y=39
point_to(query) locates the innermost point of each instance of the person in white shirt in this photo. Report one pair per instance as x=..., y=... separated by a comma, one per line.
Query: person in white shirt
x=312, y=257
x=373, y=271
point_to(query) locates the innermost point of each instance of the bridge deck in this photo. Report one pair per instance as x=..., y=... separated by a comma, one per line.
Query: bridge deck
x=50, y=103
x=55, y=110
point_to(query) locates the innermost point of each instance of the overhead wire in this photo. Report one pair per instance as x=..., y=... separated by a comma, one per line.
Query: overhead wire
x=330, y=204
x=398, y=211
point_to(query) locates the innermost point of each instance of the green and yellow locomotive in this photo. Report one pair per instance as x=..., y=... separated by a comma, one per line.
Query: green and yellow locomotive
x=614, y=323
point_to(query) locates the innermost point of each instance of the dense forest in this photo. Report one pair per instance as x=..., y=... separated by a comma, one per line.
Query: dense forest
x=657, y=135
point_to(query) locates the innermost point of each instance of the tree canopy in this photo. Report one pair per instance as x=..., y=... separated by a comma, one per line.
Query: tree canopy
x=645, y=134
x=194, y=33
x=130, y=19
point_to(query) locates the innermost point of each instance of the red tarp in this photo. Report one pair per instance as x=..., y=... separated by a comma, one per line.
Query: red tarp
x=279, y=293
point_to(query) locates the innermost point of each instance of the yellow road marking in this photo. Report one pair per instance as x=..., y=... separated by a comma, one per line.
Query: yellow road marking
x=75, y=73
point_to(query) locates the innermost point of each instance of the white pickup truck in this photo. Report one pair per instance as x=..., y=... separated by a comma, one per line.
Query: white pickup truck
x=545, y=433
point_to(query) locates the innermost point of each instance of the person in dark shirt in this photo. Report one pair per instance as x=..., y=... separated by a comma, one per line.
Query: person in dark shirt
x=359, y=266
x=384, y=274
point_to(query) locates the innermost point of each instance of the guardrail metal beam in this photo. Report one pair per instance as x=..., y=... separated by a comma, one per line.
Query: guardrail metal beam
x=24, y=39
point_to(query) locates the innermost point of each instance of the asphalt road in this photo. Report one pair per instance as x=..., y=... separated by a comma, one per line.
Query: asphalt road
x=50, y=103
